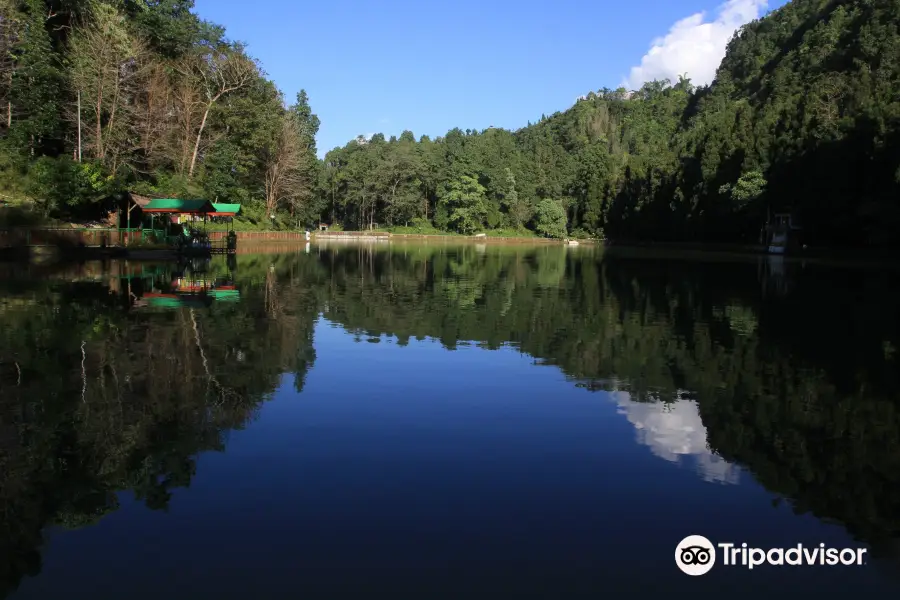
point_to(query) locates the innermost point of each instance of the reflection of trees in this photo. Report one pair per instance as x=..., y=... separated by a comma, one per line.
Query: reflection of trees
x=97, y=400
x=801, y=389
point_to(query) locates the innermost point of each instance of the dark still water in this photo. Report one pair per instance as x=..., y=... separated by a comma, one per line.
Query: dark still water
x=445, y=422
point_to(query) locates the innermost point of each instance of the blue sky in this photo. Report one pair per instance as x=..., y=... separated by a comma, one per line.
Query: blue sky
x=429, y=66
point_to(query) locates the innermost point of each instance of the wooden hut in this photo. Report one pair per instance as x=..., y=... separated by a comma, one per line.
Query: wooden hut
x=131, y=213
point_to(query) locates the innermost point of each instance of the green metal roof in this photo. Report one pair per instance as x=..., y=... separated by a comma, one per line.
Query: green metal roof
x=183, y=301
x=226, y=295
x=227, y=208
x=178, y=205
x=164, y=302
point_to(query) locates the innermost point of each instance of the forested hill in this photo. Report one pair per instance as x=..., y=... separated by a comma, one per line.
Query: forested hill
x=102, y=96
x=803, y=115
x=810, y=97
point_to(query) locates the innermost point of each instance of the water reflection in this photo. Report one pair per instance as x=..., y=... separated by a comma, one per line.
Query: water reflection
x=115, y=378
x=675, y=432
x=99, y=396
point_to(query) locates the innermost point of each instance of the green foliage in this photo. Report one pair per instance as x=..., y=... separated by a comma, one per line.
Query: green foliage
x=466, y=204
x=125, y=89
x=748, y=188
x=309, y=122
x=61, y=184
x=550, y=219
x=169, y=25
x=802, y=117
x=581, y=234
x=36, y=84
x=417, y=226
x=520, y=232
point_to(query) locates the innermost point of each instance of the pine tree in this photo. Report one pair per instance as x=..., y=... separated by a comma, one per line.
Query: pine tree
x=36, y=86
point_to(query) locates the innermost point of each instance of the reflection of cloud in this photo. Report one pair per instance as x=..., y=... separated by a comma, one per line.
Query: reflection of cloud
x=674, y=432
x=694, y=46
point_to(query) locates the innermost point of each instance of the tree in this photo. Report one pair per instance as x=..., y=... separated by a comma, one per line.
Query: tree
x=550, y=219
x=287, y=179
x=152, y=110
x=400, y=186
x=516, y=207
x=10, y=26
x=169, y=26
x=749, y=187
x=591, y=184
x=308, y=126
x=35, y=84
x=215, y=72
x=105, y=64
x=307, y=120
x=465, y=201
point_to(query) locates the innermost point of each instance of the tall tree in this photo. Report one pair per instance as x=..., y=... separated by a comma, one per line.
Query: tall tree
x=105, y=63
x=303, y=199
x=288, y=180
x=215, y=72
x=10, y=27
x=466, y=203
x=36, y=83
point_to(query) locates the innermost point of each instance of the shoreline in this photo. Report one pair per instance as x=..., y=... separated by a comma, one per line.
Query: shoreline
x=484, y=239
x=273, y=241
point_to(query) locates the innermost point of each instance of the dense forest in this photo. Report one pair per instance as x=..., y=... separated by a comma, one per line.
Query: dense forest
x=102, y=96
x=803, y=116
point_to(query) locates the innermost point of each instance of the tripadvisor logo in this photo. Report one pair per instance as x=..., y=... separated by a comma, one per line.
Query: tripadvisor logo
x=696, y=555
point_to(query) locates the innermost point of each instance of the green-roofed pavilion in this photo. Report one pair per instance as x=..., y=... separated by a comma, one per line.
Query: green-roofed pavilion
x=226, y=210
x=178, y=206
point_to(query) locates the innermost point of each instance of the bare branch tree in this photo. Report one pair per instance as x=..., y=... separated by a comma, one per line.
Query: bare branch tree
x=187, y=110
x=106, y=70
x=153, y=114
x=286, y=180
x=213, y=75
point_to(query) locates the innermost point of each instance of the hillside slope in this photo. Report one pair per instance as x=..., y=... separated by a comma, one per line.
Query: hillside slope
x=810, y=96
x=804, y=114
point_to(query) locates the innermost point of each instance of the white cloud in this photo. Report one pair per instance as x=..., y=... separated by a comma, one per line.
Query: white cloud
x=694, y=46
x=676, y=432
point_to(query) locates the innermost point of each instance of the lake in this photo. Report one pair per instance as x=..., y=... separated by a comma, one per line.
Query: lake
x=437, y=421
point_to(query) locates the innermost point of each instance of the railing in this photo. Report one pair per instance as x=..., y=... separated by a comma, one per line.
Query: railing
x=326, y=234
x=60, y=236
x=260, y=235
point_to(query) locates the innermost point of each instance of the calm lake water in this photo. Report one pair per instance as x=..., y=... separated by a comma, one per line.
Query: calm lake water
x=445, y=422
